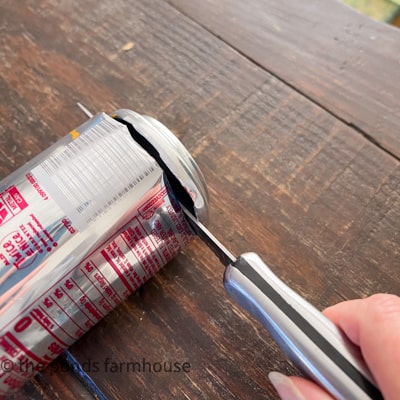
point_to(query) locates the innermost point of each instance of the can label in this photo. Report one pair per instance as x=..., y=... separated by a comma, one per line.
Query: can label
x=11, y=204
x=80, y=230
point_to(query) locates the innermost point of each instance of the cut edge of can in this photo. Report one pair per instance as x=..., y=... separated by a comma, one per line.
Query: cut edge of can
x=174, y=156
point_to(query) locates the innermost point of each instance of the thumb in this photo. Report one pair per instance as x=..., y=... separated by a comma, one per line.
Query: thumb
x=294, y=388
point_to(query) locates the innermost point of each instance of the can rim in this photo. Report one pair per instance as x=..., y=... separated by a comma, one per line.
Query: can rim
x=175, y=156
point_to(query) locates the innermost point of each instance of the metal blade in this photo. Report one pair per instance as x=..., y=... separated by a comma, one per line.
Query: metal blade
x=85, y=110
x=224, y=255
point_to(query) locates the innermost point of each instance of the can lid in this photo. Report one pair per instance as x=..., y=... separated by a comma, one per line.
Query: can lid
x=174, y=156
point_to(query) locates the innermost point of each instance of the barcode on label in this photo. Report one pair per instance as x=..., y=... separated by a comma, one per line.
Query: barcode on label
x=94, y=171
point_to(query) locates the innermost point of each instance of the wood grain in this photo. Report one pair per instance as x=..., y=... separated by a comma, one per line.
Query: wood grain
x=343, y=61
x=287, y=178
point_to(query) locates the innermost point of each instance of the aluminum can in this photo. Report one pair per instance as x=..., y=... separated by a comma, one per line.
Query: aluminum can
x=82, y=226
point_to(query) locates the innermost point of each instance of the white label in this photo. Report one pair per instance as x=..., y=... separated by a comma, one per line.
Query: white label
x=94, y=171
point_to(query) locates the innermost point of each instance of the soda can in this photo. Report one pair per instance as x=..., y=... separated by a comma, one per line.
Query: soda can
x=82, y=226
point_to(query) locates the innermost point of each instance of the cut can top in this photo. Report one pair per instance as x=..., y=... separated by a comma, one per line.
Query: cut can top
x=181, y=169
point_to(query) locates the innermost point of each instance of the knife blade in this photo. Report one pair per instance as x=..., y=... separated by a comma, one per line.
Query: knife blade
x=309, y=339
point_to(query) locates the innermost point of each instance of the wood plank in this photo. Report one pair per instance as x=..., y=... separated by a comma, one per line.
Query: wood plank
x=342, y=60
x=287, y=179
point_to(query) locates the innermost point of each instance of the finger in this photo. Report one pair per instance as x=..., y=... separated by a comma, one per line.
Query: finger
x=342, y=315
x=374, y=325
x=294, y=388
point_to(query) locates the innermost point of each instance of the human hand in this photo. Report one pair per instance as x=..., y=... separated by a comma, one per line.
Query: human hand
x=373, y=324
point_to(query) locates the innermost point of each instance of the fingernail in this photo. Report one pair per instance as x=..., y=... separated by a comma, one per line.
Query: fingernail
x=285, y=387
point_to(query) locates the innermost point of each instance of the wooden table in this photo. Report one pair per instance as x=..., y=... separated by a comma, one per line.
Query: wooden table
x=292, y=111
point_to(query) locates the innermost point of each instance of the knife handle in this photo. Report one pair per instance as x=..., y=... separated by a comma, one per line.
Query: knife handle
x=314, y=344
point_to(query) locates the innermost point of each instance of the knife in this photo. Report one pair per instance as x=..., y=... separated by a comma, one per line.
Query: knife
x=309, y=339
x=313, y=343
